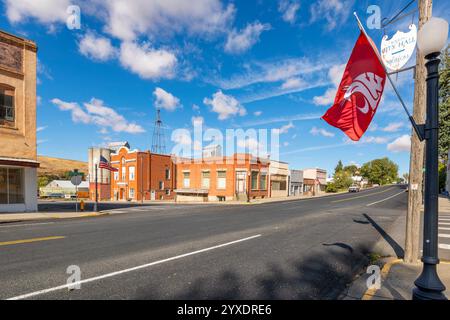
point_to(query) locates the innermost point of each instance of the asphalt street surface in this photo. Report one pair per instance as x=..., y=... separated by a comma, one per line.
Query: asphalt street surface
x=302, y=249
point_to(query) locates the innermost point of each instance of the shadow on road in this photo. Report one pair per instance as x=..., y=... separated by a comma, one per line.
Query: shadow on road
x=322, y=275
x=395, y=246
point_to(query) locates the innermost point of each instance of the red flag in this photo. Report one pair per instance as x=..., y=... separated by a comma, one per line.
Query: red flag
x=359, y=92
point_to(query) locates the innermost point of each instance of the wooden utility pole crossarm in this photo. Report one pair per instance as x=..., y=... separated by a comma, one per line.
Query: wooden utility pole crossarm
x=413, y=217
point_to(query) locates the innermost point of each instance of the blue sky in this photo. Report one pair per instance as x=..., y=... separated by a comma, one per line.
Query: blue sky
x=230, y=64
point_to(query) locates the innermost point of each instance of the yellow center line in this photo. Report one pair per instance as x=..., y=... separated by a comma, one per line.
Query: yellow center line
x=7, y=243
x=363, y=196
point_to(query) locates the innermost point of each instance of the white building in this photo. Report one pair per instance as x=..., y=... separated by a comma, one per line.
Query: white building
x=314, y=180
x=279, y=178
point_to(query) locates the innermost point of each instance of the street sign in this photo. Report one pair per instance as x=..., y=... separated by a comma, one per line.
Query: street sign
x=76, y=180
x=396, y=52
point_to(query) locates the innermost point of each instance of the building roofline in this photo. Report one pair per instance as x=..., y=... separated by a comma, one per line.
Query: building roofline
x=18, y=39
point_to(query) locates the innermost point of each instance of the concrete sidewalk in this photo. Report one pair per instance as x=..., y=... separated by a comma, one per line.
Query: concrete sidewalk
x=397, y=278
x=31, y=216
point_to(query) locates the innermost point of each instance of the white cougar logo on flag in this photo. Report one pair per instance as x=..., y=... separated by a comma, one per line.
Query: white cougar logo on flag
x=370, y=86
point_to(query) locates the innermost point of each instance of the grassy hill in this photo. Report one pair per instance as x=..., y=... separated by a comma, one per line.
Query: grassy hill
x=58, y=167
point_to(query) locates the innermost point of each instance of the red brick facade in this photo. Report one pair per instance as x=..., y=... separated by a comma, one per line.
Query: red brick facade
x=224, y=178
x=142, y=175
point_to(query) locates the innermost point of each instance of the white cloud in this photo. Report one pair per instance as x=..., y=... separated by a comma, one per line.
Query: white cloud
x=165, y=100
x=393, y=127
x=225, y=105
x=39, y=129
x=401, y=144
x=182, y=137
x=333, y=11
x=95, y=112
x=270, y=72
x=289, y=10
x=243, y=40
x=147, y=62
x=334, y=75
x=252, y=145
x=96, y=47
x=78, y=114
x=127, y=20
x=44, y=11
x=293, y=83
x=326, y=99
x=319, y=131
x=376, y=140
x=257, y=113
x=285, y=128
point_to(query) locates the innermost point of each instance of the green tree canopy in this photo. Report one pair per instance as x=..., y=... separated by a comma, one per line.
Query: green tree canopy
x=380, y=171
x=444, y=104
x=339, y=167
x=352, y=168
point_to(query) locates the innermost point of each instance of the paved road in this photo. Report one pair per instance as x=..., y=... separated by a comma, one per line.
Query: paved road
x=305, y=249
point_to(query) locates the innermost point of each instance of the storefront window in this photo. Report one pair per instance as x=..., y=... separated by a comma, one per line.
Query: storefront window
x=254, y=180
x=11, y=186
x=3, y=186
x=263, y=181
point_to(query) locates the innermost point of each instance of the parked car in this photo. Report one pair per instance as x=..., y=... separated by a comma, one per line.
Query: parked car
x=353, y=188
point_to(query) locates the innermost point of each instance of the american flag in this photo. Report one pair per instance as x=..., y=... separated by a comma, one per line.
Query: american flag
x=104, y=164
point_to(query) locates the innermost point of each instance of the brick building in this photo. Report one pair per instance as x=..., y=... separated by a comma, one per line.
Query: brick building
x=18, y=152
x=142, y=175
x=222, y=178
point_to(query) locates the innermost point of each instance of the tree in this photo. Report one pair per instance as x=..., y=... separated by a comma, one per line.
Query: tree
x=380, y=171
x=342, y=179
x=352, y=168
x=43, y=181
x=444, y=104
x=339, y=167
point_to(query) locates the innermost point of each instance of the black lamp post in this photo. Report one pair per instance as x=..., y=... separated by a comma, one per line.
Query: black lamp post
x=431, y=39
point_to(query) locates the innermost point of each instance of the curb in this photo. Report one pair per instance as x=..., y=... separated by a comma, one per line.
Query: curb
x=370, y=293
x=54, y=216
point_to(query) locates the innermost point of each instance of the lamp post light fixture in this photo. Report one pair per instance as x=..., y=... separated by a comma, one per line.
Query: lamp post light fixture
x=432, y=38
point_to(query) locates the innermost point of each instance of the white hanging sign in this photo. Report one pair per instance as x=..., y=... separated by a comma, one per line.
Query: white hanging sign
x=398, y=50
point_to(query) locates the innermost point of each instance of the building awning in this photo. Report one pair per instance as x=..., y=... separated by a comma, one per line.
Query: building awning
x=19, y=162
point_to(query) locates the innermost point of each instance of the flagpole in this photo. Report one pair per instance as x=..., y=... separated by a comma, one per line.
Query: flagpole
x=420, y=130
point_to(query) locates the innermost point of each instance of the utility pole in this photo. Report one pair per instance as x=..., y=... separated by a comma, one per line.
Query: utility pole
x=416, y=166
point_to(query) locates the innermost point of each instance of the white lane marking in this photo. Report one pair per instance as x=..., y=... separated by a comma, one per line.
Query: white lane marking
x=444, y=235
x=25, y=224
x=116, y=273
x=444, y=246
x=376, y=202
x=442, y=228
x=444, y=219
x=445, y=223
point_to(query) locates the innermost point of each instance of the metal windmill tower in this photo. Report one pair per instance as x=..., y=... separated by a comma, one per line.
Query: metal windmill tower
x=158, y=140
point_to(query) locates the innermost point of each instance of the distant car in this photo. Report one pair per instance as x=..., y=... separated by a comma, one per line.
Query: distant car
x=353, y=189
x=376, y=185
